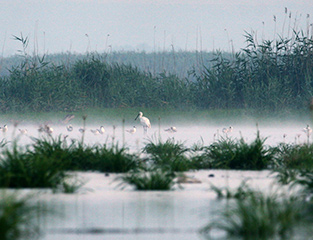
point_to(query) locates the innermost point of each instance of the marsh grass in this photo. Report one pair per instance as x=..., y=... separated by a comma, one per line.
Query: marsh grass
x=230, y=153
x=153, y=180
x=70, y=185
x=27, y=169
x=80, y=157
x=241, y=192
x=168, y=155
x=295, y=156
x=45, y=163
x=259, y=217
x=17, y=217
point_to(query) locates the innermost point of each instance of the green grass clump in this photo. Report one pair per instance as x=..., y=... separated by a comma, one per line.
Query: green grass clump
x=156, y=180
x=77, y=156
x=295, y=156
x=17, y=218
x=243, y=191
x=237, y=154
x=168, y=155
x=28, y=169
x=259, y=217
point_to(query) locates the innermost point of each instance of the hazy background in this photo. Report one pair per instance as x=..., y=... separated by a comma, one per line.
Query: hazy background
x=105, y=25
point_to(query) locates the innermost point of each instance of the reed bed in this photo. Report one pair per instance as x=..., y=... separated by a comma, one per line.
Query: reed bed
x=267, y=75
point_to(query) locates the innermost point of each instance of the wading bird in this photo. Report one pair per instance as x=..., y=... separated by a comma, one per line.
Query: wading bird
x=171, y=130
x=102, y=130
x=132, y=130
x=227, y=130
x=69, y=128
x=48, y=129
x=95, y=132
x=308, y=132
x=145, y=122
x=4, y=128
x=23, y=131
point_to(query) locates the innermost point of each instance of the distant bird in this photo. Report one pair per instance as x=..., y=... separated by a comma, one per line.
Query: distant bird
x=69, y=128
x=227, y=130
x=307, y=130
x=171, y=130
x=132, y=130
x=68, y=118
x=23, y=131
x=48, y=129
x=145, y=122
x=4, y=128
x=102, y=130
x=95, y=132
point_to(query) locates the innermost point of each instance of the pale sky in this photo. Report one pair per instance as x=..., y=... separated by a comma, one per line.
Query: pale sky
x=78, y=26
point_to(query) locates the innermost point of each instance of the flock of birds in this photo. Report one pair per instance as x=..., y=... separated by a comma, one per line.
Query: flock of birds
x=45, y=128
x=144, y=121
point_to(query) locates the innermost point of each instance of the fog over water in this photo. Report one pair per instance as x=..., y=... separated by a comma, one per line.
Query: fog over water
x=189, y=133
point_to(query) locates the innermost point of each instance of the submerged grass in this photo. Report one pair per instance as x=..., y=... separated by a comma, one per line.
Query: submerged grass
x=168, y=155
x=154, y=180
x=230, y=153
x=259, y=217
x=45, y=163
x=17, y=216
x=27, y=169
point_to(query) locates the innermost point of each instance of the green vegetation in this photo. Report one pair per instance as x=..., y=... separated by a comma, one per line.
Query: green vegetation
x=44, y=164
x=168, y=155
x=230, y=153
x=155, y=179
x=17, y=217
x=266, y=76
x=258, y=216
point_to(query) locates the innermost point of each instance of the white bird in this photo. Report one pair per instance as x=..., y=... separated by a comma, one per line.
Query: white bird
x=227, y=130
x=102, y=130
x=171, y=129
x=4, y=128
x=132, y=130
x=307, y=130
x=145, y=122
x=95, y=132
x=48, y=129
x=23, y=131
x=69, y=128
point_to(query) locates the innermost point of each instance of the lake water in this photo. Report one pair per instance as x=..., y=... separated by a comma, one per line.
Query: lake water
x=102, y=210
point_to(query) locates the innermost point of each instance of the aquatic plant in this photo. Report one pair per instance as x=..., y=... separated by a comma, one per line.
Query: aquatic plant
x=154, y=179
x=230, y=153
x=241, y=192
x=116, y=159
x=169, y=155
x=17, y=217
x=27, y=169
x=258, y=216
x=294, y=156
